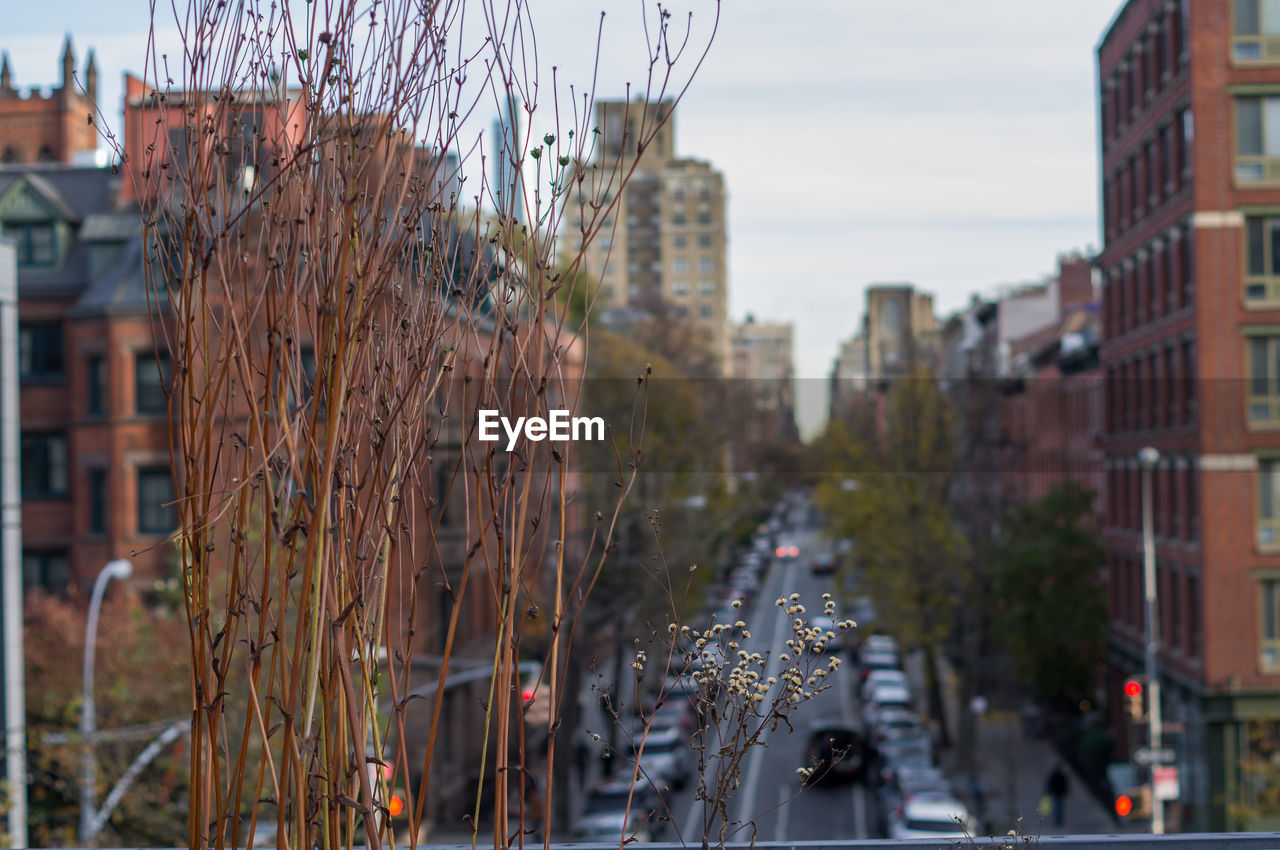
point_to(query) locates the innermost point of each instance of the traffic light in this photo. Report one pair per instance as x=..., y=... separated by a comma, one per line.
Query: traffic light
x=1133, y=701
x=1134, y=803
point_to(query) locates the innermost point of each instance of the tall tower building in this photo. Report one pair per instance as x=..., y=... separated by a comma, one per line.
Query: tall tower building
x=666, y=243
x=48, y=128
x=508, y=145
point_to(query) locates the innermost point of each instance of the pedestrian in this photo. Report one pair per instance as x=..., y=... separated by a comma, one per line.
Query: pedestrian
x=1057, y=787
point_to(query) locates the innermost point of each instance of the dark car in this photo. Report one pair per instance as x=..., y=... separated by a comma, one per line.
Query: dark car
x=836, y=752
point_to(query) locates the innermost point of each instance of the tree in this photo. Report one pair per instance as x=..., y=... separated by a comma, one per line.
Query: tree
x=1049, y=596
x=890, y=497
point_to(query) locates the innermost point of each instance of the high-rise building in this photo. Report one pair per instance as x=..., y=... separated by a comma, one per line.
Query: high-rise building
x=1189, y=99
x=53, y=127
x=666, y=241
x=508, y=148
x=763, y=361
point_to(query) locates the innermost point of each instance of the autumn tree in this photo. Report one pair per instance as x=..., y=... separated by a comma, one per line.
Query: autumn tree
x=1049, y=596
x=890, y=496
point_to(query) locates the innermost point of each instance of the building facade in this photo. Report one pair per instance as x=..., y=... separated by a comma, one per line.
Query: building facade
x=54, y=127
x=1189, y=93
x=763, y=361
x=665, y=241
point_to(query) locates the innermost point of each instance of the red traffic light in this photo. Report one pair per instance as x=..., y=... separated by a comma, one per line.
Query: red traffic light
x=1132, y=688
x=1124, y=805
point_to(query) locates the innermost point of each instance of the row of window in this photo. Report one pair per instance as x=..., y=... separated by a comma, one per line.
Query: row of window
x=705, y=287
x=680, y=241
x=706, y=265
x=703, y=195
x=1153, y=60
x=705, y=311
x=1155, y=172
x=1178, y=601
x=1159, y=279
x=1255, y=30
x=680, y=218
x=41, y=358
x=1175, y=509
x=1153, y=389
x=45, y=474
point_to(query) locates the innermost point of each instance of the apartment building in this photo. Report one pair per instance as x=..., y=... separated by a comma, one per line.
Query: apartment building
x=666, y=241
x=1189, y=99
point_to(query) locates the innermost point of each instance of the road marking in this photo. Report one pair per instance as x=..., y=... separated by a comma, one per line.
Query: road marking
x=747, y=802
x=860, y=812
x=784, y=814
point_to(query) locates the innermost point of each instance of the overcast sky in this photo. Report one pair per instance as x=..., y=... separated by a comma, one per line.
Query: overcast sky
x=952, y=145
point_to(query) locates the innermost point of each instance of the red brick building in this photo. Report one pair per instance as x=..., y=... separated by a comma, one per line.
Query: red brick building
x=1053, y=408
x=48, y=128
x=1189, y=97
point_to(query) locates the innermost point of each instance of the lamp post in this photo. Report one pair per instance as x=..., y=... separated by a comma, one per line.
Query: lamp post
x=120, y=569
x=1148, y=457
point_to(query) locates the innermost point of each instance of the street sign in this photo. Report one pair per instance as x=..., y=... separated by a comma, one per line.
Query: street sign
x=1150, y=755
x=1165, y=780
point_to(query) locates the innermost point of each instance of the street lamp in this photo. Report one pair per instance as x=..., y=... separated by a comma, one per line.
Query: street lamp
x=119, y=569
x=1148, y=457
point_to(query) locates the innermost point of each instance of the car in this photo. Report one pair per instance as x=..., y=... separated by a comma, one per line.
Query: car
x=869, y=660
x=835, y=752
x=666, y=757
x=823, y=564
x=885, y=697
x=882, y=676
x=606, y=815
x=787, y=551
x=892, y=722
x=931, y=816
x=909, y=782
x=897, y=752
x=828, y=627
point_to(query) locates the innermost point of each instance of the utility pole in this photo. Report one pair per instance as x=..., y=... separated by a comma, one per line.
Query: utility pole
x=1149, y=457
x=13, y=711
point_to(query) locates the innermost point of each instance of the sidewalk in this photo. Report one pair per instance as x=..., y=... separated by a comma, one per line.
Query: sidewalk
x=1012, y=770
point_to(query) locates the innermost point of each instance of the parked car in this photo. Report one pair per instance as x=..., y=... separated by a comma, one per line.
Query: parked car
x=823, y=564
x=931, y=816
x=897, y=752
x=666, y=757
x=836, y=751
x=883, y=698
x=606, y=816
x=828, y=626
x=892, y=722
x=885, y=676
x=877, y=659
x=909, y=782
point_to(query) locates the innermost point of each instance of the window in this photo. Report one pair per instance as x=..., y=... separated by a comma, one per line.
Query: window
x=704, y=241
x=706, y=287
x=706, y=311
x=155, y=497
x=1257, y=139
x=1268, y=525
x=96, y=374
x=680, y=265
x=680, y=242
x=706, y=265
x=40, y=351
x=97, y=501
x=47, y=569
x=1255, y=34
x=44, y=466
x=151, y=380
x=35, y=242
x=1262, y=258
x=1269, y=651
x=1264, y=379
x=677, y=218
x=680, y=287
x=1188, y=381
x=704, y=217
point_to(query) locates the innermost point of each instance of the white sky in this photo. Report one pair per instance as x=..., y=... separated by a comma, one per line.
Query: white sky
x=949, y=144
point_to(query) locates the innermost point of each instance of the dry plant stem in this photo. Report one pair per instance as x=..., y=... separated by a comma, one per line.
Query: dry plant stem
x=314, y=292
